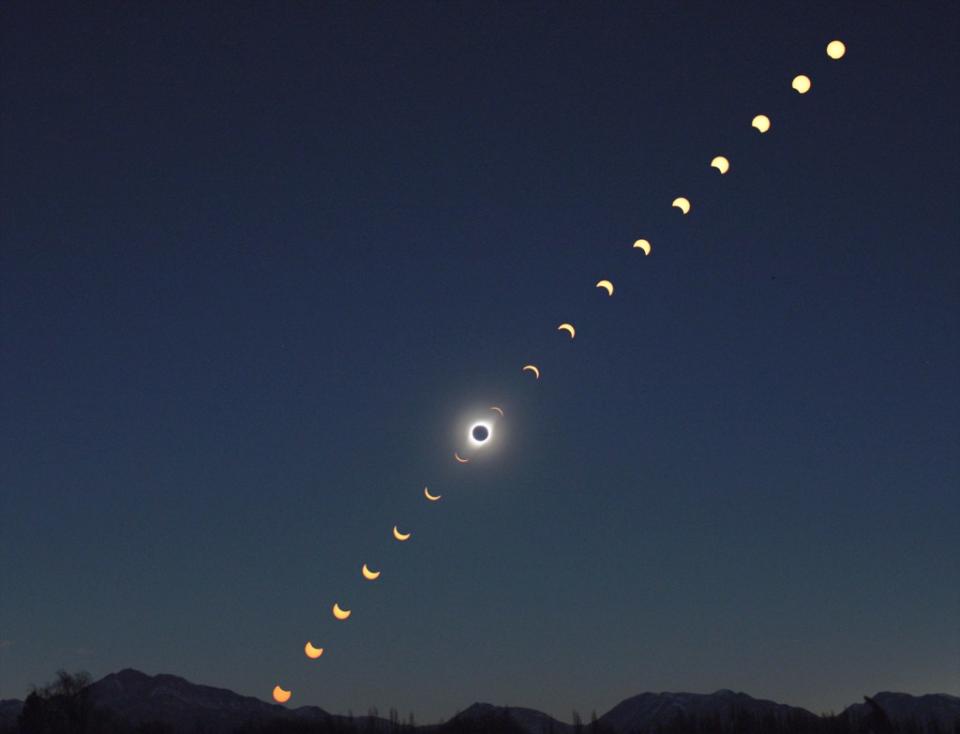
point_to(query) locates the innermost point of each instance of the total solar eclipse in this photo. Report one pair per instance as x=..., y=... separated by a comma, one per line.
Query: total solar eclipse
x=479, y=433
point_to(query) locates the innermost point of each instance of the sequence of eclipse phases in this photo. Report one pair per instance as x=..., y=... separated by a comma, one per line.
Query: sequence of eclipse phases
x=481, y=432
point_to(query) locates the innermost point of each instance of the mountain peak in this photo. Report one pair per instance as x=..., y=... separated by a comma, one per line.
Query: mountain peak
x=529, y=720
x=139, y=697
x=939, y=708
x=647, y=710
x=478, y=706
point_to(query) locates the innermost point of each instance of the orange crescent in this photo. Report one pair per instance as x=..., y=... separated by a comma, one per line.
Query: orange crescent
x=280, y=695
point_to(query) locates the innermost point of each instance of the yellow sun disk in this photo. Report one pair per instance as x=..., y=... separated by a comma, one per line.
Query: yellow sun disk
x=280, y=695
x=801, y=83
x=836, y=50
x=643, y=245
x=761, y=123
x=368, y=574
x=339, y=613
x=682, y=203
x=721, y=164
x=312, y=652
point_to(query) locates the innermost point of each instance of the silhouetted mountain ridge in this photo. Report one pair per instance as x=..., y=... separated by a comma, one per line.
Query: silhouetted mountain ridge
x=176, y=705
x=647, y=710
x=138, y=697
x=939, y=707
x=530, y=720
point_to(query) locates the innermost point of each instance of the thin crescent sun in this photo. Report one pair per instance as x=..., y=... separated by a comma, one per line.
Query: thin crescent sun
x=341, y=613
x=368, y=574
x=498, y=409
x=607, y=285
x=568, y=328
x=280, y=695
x=431, y=497
x=312, y=652
x=460, y=458
x=532, y=368
x=400, y=536
x=643, y=245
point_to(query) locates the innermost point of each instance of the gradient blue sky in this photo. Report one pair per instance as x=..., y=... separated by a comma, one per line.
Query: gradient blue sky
x=260, y=259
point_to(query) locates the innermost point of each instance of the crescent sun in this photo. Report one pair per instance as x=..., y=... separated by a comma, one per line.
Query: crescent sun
x=368, y=574
x=339, y=613
x=460, y=458
x=312, y=652
x=568, y=328
x=721, y=164
x=280, y=695
x=400, y=536
x=682, y=203
x=431, y=497
x=643, y=245
x=532, y=368
x=498, y=409
x=606, y=285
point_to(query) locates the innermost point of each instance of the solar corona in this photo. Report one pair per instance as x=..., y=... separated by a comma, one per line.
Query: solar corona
x=480, y=433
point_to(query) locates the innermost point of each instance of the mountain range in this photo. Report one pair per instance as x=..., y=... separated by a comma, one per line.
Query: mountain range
x=183, y=706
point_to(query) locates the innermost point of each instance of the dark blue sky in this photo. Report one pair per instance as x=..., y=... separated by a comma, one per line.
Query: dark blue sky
x=259, y=260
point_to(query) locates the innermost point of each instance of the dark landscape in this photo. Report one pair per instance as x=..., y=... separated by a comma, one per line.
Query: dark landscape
x=131, y=701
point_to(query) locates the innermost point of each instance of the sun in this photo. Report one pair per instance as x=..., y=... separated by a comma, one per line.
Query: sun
x=483, y=431
x=480, y=433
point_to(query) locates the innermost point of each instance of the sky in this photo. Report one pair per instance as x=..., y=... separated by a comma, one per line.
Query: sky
x=262, y=263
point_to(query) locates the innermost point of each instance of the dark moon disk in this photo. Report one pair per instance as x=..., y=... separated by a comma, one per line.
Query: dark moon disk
x=480, y=433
